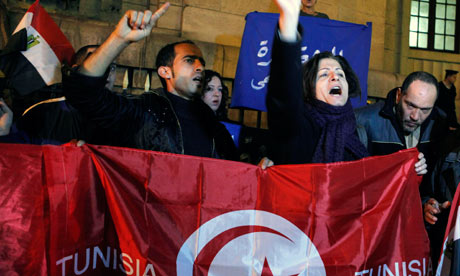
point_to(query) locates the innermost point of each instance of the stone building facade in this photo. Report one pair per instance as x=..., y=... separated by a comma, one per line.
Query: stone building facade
x=217, y=27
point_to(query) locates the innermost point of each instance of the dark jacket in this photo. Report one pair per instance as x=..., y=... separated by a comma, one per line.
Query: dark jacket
x=381, y=131
x=385, y=134
x=17, y=136
x=145, y=122
x=446, y=177
x=56, y=122
x=446, y=101
x=444, y=182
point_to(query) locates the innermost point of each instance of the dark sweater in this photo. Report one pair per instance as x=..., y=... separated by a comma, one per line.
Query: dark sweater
x=197, y=139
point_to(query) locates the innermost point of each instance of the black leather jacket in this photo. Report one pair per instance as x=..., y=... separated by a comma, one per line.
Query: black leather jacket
x=144, y=122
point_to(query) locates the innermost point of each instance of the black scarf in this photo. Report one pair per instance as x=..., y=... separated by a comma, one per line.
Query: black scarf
x=338, y=132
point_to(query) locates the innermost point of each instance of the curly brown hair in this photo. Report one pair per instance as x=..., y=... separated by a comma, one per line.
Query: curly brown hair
x=222, y=111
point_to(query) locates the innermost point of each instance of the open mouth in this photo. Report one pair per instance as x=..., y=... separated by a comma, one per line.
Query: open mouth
x=336, y=90
x=198, y=79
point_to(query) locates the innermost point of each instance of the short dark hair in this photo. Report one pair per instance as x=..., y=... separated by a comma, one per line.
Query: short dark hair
x=82, y=54
x=221, y=111
x=166, y=55
x=421, y=76
x=450, y=72
x=310, y=71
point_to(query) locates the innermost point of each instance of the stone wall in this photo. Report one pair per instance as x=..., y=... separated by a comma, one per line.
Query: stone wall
x=217, y=27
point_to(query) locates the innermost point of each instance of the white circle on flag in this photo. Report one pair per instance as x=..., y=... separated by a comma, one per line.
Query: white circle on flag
x=278, y=245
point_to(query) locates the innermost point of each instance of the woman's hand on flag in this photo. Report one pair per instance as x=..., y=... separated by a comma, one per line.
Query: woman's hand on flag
x=265, y=163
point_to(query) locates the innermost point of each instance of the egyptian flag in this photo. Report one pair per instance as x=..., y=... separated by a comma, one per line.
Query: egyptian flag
x=34, y=54
x=449, y=263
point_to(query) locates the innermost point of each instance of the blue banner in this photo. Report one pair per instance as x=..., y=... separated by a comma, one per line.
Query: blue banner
x=352, y=41
x=234, y=130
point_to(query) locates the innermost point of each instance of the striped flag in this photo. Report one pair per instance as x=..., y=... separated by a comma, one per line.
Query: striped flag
x=449, y=263
x=37, y=63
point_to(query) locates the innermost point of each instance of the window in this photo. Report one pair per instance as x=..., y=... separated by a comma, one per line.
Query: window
x=434, y=25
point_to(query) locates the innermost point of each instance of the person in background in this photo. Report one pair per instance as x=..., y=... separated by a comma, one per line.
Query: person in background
x=308, y=9
x=215, y=94
x=309, y=112
x=8, y=131
x=84, y=52
x=446, y=98
x=444, y=182
x=251, y=143
x=55, y=121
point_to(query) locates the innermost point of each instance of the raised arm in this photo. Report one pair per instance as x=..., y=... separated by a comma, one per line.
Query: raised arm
x=289, y=18
x=284, y=95
x=132, y=27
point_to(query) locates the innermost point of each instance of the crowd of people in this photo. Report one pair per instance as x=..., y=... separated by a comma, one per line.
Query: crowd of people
x=310, y=116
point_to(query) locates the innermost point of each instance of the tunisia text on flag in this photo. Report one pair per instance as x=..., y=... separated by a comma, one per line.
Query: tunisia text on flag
x=96, y=210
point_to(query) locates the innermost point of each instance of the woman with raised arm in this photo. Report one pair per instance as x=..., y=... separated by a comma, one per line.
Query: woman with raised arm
x=309, y=111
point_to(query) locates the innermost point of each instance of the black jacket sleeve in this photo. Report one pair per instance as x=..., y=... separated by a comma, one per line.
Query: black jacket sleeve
x=285, y=94
x=103, y=107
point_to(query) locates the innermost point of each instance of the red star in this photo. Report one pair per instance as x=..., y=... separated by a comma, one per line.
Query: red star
x=266, y=271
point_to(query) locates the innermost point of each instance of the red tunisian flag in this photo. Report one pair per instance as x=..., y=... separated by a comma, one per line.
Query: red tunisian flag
x=97, y=210
x=449, y=262
x=43, y=49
